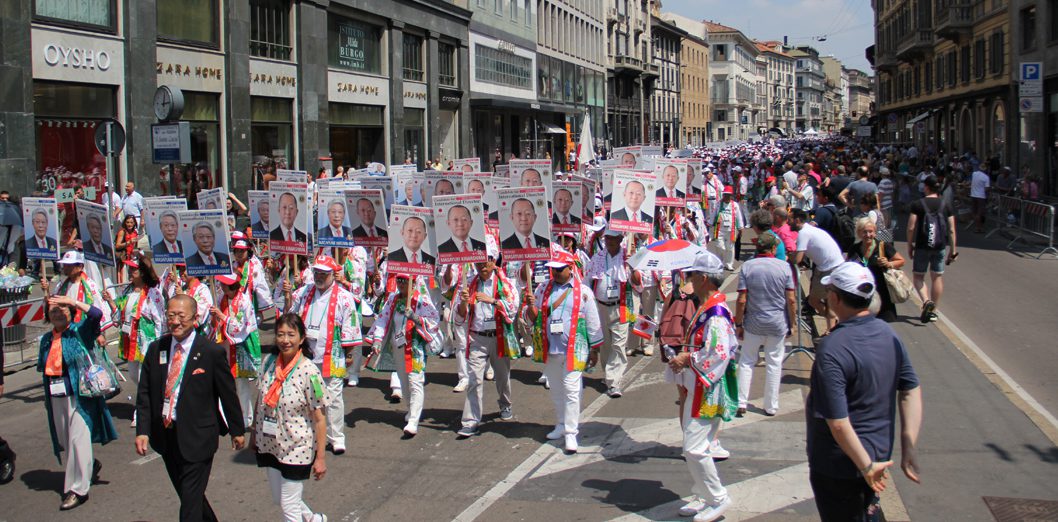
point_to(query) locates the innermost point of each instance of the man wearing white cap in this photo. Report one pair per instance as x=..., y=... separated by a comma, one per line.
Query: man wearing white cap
x=566, y=320
x=327, y=309
x=862, y=375
x=703, y=371
x=614, y=285
x=76, y=285
x=487, y=306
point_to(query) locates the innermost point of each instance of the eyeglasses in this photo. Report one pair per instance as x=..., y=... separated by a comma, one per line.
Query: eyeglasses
x=176, y=316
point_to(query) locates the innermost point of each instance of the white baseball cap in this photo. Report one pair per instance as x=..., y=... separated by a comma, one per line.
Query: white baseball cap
x=706, y=263
x=853, y=278
x=597, y=224
x=72, y=257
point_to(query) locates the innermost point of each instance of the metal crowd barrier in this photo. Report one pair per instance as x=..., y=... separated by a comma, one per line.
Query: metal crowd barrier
x=1024, y=219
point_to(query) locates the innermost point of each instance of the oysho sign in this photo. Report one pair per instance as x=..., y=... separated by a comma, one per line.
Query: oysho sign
x=57, y=55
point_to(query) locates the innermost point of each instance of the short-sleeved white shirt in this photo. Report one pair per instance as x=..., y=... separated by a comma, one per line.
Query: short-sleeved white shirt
x=820, y=247
x=979, y=184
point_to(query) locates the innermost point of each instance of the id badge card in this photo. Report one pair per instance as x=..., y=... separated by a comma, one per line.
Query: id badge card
x=613, y=290
x=163, y=357
x=312, y=332
x=165, y=406
x=269, y=426
x=539, y=278
x=556, y=326
x=126, y=328
x=57, y=387
x=398, y=338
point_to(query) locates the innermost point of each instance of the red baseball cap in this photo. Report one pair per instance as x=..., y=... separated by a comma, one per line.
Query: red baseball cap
x=325, y=264
x=228, y=279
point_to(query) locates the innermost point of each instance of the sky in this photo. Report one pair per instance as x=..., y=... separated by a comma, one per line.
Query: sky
x=847, y=24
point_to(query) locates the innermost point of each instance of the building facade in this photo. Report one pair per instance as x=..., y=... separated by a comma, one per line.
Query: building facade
x=779, y=84
x=665, y=108
x=264, y=87
x=695, y=105
x=810, y=89
x=1035, y=39
x=630, y=71
x=571, y=72
x=835, y=114
x=944, y=75
x=733, y=83
x=861, y=94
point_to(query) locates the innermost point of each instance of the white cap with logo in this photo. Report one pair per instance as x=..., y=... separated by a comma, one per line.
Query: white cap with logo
x=853, y=278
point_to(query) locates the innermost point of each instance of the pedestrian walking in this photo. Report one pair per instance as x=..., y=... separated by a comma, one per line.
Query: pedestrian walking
x=931, y=246
x=878, y=256
x=615, y=286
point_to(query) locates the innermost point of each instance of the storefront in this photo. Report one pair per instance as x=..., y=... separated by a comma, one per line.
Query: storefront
x=358, y=92
x=415, y=124
x=567, y=92
x=273, y=92
x=503, y=97
x=448, y=117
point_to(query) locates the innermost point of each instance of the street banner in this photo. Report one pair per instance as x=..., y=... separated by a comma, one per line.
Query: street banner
x=467, y=165
x=204, y=236
x=259, y=213
x=627, y=157
x=672, y=182
x=212, y=199
x=163, y=229
x=292, y=176
x=633, y=201
x=367, y=217
x=524, y=224
x=442, y=184
x=333, y=228
x=568, y=207
x=503, y=171
x=95, y=232
x=406, y=190
x=383, y=184
x=291, y=218
x=410, y=251
x=40, y=226
x=461, y=234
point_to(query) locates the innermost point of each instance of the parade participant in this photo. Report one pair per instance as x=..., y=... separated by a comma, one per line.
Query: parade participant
x=712, y=190
x=405, y=327
x=75, y=284
x=183, y=378
x=176, y=281
x=75, y=421
x=290, y=437
x=142, y=310
x=353, y=277
x=566, y=338
x=727, y=223
x=861, y=377
x=709, y=380
x=764, y=314
x=615, y=287
x=250, y=271
x=487, y=307
x=327, y=309
x=235, y=325
x=125, y=243
x=803, y=195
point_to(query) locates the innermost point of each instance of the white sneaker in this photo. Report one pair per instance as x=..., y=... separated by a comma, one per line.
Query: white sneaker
x=489, y=374
x=352, y=383
x=460, y=387
x=571, y=443
x=648, y=350
x=556, y=433
x=692, y=508
x=713, y=512
x=718, y=452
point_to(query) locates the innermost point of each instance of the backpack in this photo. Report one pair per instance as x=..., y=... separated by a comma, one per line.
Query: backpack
x=844, y=229
x=676, y=319
x=934, y=227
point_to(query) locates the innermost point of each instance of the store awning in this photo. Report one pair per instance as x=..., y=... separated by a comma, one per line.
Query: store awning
x=548, y=128
x=918, y=118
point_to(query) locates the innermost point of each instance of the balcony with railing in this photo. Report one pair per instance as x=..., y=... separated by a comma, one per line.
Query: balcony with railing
x=624, y=63
x=956, y=20
x=916, y=44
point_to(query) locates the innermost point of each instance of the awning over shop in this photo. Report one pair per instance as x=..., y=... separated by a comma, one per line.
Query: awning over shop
x=918, y=118
x=548, y=128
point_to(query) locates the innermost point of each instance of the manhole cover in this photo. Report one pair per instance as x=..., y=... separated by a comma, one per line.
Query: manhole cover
x=1006, y=509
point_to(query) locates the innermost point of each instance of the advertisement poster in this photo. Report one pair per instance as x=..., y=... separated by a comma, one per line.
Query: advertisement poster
x=40, y=225
x=672, y=182
x=524, y=224
x=367, y=217
x=204, y=236
x=333, y=228
x=259, y=213
x=410, y=251
x=567, y=207
x=95, y=232
x=289, y=204
x=461, y=234
x=442, y=184
x=633, y=201
x=163, y=229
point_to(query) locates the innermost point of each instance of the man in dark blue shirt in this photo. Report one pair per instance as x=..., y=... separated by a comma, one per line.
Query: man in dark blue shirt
x=861, y=374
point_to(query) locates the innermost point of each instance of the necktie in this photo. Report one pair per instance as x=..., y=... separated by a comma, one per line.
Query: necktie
x=209, y=260
x=565, y=220
x=414, y=257
x=290, y=235
x=465, y=247
x=635, y=217
x=172, y=248
x=175, y=368
x=527, y=243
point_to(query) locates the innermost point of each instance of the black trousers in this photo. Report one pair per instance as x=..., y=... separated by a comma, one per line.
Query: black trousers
x=189, y=480
x=844, y=500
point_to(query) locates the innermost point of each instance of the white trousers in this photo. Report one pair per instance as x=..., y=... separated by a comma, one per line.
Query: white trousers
x=352, y=370
x=565, y=392
x=459, y=343
x=724, y=247
x=335, y=411
x=394, y=381
x=287, y=495
x=612, y=355
x=483, y=354
x=774, y=350
x=698, y=436
x=412, y=388
x=246, y=389
x=76, y=439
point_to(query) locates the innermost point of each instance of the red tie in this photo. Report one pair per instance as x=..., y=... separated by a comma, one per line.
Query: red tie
x=290, y=236
x=209, y=260
x=172, y=248
x=565, y=220
x=527, y=243
x=465, y=247
x=170, y=384
x=415, y=257
x=635, y=217
x=371, y=232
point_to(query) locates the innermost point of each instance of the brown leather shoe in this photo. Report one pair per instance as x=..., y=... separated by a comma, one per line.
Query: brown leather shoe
x=741, y=412
x=72, y=500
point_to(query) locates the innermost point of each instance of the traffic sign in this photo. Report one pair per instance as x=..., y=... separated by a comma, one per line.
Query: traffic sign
x=1031, y=104
x=1030, y=79
x=110, y=143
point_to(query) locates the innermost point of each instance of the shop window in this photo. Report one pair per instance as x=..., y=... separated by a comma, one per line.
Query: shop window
x=446, y=54
x=413, y=60
x=502, y=67
x=188, y=21
x=964, y=64
x=203, y=111
x=543, y=77
x=270, y=29
x=357, y=134
x=415, y=137
x=92, y=13
x=1052, y=20
x=271, y=128
x=355, y=46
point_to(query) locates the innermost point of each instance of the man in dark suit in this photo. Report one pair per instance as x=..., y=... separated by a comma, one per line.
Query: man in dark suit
x=365, y=210
x=182, y=378
x=169, y=226
x=288, y=213
x=206, y=239
x=335, y=227
x=670, y=177
x=413, y=232
x=635, y=194
x=523, y=215
x=461, y=223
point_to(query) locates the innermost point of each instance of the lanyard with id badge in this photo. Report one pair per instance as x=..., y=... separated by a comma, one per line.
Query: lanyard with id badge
x=555, y=323
x=57, y=386
x=486, y=312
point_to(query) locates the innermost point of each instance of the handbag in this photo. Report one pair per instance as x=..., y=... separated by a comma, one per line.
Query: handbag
x=98, y=376
x=899, y=285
